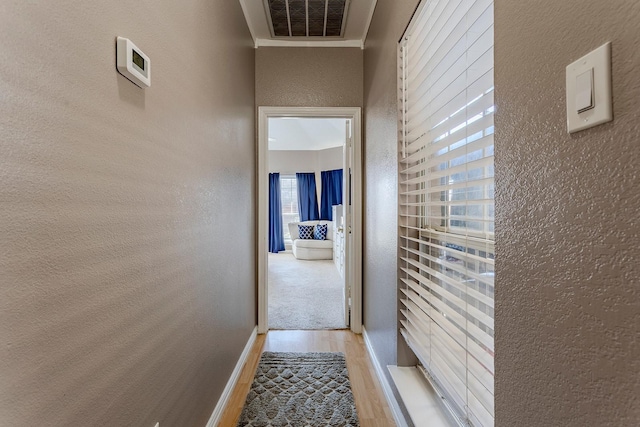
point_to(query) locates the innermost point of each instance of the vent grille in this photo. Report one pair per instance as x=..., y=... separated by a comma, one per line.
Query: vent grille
x=307, y=18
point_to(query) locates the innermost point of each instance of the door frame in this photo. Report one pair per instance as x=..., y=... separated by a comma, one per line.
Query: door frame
x=355, y=114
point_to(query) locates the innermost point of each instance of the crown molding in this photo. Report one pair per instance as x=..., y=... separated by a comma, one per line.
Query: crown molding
x=245, y=11
x=368, y=25
x=310, y=43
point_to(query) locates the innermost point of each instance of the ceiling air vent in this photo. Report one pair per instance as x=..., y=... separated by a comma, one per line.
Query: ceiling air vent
x=307, y=18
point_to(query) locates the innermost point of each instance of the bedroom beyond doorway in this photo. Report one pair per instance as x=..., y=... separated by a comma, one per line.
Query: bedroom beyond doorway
x=309, y=172
x=306, y=159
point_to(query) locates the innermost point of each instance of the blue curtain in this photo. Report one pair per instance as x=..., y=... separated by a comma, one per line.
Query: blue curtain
x=276, y=237
x=307, y=199
x=331, y=192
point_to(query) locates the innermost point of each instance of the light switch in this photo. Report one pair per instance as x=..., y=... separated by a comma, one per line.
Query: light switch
x=584, y=91
x=588, y=85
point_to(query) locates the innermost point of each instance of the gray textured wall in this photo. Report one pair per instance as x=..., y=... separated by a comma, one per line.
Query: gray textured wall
x=308, y=77
x=567, y=288
x=381, y=165
x=567, y=252
x=122, y=211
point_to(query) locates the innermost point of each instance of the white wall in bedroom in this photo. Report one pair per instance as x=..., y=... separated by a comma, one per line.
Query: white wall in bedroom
x=290, y=162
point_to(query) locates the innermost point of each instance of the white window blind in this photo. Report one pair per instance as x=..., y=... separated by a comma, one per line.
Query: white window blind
x=446, y=209
x=289, y=200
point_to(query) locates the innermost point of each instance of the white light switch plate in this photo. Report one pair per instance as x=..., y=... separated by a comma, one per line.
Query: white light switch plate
x=600, y=61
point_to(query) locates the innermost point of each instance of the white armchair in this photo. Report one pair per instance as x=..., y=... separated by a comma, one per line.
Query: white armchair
x=310, y=248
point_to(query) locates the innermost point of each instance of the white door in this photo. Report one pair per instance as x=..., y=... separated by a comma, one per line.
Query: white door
x=346, y=212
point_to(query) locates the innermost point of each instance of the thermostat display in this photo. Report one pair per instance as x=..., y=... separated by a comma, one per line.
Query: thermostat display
x=132, y=63
x=138, y=60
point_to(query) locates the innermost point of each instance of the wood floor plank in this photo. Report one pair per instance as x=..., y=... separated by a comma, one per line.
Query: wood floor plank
x=234, y=406
x=371, y=405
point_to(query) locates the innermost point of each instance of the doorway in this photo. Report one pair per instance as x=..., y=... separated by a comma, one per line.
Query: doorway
x=352, y=207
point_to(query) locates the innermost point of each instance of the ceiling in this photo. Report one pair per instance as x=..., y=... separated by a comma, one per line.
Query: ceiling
x=306, y=133
x=311, y=23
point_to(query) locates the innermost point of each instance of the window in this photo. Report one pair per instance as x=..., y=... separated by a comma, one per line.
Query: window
x=446, y=208
x=289, y=196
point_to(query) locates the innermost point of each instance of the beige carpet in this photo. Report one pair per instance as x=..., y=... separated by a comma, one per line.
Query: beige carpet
x=304, y=294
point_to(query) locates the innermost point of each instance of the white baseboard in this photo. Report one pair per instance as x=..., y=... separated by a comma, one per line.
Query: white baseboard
x=226, y=393
x=386, y=387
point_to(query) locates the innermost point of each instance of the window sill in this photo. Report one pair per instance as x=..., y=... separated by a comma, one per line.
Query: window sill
x=419, y=398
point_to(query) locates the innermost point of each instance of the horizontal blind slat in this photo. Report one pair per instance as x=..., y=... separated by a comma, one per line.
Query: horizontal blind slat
x=481, y=163
x=459, y=140
x=452, y=298
x=461, y=106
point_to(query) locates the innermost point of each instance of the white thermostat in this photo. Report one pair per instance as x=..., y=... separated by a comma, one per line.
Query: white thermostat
x=132, y=63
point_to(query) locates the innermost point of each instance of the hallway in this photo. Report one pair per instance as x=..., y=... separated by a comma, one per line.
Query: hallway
x=129, y=242
x=371, y=405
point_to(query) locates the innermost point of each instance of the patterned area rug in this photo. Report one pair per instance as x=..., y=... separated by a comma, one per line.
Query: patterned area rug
x=300, y=389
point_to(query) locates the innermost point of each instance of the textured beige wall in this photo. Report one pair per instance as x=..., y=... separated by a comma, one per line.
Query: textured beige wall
x=308, y=77
x=380, y=166
x=127, y=252
x=567, y=221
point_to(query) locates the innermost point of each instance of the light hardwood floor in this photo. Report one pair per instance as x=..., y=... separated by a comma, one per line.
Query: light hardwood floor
x=371, y=405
